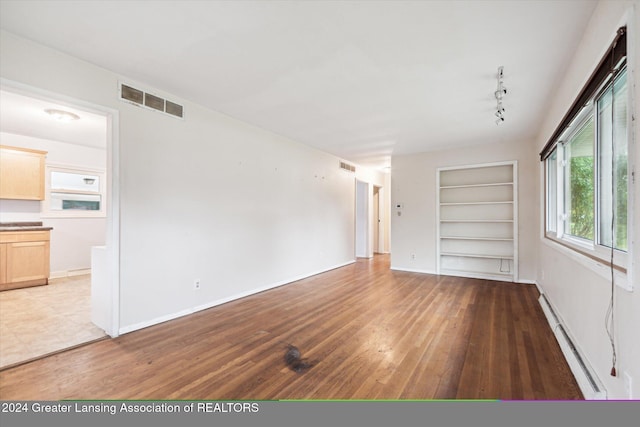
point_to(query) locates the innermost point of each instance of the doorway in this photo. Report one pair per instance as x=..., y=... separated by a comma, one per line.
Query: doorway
x=369, y=220
x=68, y=327
x=377, y=220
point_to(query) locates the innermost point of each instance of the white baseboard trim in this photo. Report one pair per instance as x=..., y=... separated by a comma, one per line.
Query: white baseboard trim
x=413, y=270
x=266, y=288
x=528, y=282
x=186, y=312
x=69, y=273
x=154, y=321
x=540, y=291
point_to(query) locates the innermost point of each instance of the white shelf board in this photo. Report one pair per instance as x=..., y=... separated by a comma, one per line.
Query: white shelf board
x=492, y=184
x=478, y=220
x=489, y=239
x=459, y=254
x=509, y=202
x=504, y=277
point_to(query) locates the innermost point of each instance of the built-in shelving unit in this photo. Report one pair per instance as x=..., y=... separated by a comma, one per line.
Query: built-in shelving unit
x=477, y=221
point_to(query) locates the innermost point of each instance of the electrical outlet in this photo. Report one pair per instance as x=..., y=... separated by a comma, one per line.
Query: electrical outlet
x=413, y=256
x=196, y=284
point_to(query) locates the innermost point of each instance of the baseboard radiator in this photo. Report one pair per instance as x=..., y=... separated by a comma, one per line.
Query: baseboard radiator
x=587, y=380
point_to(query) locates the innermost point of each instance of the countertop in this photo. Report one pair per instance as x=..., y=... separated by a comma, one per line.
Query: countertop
x=23, y=226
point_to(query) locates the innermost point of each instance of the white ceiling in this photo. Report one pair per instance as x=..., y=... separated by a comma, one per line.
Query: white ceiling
x=362, y=80
x=25, y=115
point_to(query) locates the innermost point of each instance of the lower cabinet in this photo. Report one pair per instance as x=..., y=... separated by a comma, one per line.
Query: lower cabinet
x=24, y=259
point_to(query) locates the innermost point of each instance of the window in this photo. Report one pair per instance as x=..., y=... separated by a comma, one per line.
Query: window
x=579, y=183
x=552, y=194
x=613, y=160
x=587, y=178
x=72, y=192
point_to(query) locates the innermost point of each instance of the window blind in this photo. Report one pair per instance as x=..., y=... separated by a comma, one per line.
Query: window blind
x=615, y=55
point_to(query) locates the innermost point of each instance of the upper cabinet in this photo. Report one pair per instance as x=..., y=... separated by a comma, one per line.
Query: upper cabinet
x=21, y=173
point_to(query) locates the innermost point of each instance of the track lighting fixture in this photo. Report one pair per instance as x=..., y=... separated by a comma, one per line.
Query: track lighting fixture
x=500, y=92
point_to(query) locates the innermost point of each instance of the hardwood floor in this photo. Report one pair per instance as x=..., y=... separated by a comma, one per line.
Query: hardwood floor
x=372, y=333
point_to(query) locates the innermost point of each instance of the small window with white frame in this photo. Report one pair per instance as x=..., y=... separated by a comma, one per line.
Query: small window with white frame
x=73, y=192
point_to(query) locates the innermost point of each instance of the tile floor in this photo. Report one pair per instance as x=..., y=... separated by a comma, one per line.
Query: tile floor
x=45, y=319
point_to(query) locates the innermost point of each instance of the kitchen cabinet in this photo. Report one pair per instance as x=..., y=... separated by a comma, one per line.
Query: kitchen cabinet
x=24, y=259
x=21, y=173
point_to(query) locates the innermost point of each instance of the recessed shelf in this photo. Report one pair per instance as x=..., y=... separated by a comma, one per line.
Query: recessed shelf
x=477, y=212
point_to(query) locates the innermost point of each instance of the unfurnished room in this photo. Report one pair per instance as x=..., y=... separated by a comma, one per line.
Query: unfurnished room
x=319, y=200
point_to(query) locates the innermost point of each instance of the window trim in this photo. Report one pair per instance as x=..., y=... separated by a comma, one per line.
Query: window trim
x=45, y=207
x=581, y=122
x=616, y=52
x=591, y=249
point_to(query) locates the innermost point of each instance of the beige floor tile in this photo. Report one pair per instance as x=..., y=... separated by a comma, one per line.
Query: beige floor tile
x=44, y=319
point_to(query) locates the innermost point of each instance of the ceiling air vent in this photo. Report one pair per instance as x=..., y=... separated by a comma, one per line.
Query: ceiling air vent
x=347, y=167
x=147, y=100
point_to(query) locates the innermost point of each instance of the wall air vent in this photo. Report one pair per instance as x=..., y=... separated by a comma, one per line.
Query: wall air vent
x=173, y=109
x=147, y=100
x=347, y=167
x=154, y=102
x=130, y=94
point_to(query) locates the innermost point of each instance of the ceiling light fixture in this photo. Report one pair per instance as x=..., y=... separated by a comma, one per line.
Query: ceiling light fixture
x=500, y=92
x=61, y=115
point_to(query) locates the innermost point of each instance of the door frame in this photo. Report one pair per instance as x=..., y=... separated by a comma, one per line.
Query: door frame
x=378, y=227
x=112, y=238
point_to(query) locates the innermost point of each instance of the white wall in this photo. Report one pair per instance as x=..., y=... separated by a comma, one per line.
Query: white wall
x=71, y=238
x=413, y=184
x=208, y=197
x=362, y=219
x=578, y=288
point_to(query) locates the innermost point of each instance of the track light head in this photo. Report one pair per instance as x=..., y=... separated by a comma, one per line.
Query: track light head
x=500, y=92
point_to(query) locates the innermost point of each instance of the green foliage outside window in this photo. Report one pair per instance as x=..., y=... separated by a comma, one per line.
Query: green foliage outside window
x=582, y=183
x=621, y=202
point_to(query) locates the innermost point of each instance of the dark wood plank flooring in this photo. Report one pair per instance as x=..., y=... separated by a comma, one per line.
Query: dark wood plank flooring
x=372, y=333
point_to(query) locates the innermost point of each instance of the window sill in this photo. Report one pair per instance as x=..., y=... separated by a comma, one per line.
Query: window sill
x=592, y=262
x=88, y=214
